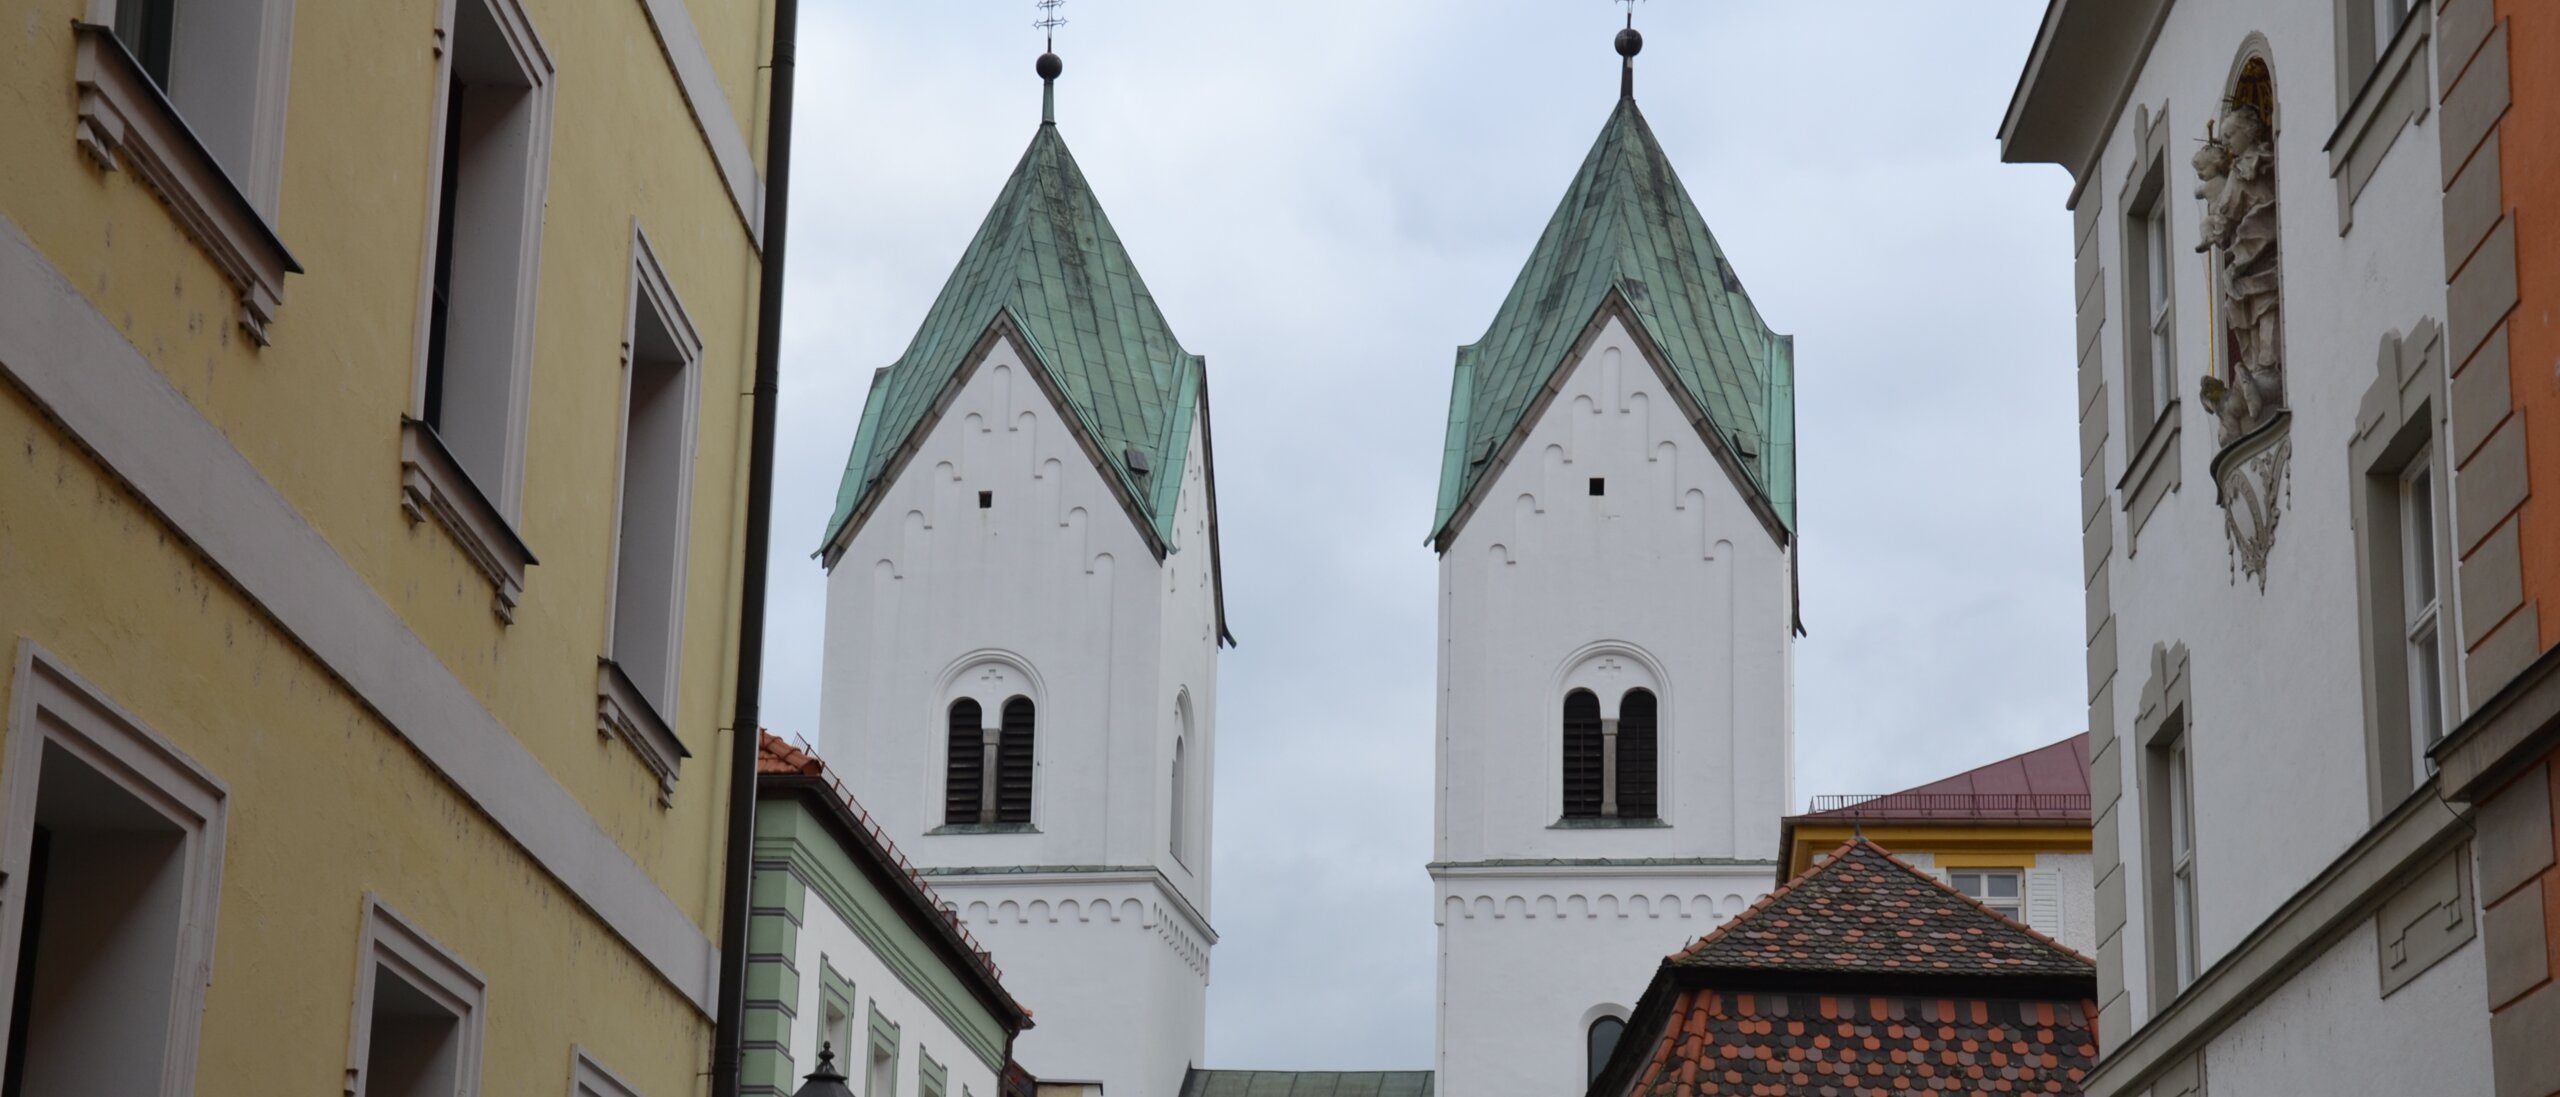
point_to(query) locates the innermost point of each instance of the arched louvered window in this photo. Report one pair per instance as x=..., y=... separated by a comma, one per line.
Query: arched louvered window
x=1583, y=772
x=1637, y=752
x=1174, y=843
x=1013, y=763
x=1601, y=1042
x=964, y=779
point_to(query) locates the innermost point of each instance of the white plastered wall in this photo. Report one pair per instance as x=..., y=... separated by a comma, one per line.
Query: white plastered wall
x=2295, y=714
x=1667, y=581
x=1053, y=588
x=826, y=938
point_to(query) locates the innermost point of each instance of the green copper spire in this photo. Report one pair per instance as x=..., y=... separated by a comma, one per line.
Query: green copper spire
x=1047, y=261
x=1627, y=228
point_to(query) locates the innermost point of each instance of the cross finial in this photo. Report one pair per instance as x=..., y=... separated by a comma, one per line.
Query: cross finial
x=1630, y=43
x=1049, y=66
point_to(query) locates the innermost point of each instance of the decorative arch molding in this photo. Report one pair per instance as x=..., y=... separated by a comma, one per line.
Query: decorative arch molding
x=957, y=678
x=2253, y=47
x=1155, y=919
x=1593, y=1015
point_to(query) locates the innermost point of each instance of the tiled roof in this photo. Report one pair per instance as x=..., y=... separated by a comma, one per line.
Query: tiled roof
x=1047, y=258
x=2048, y=783
x=1864, y=911
x=1626, y=225
x=1306, y=1083
x=1854, y=1045
x=786, y=761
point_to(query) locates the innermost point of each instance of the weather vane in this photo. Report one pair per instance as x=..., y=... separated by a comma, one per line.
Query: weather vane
x=1049, y=22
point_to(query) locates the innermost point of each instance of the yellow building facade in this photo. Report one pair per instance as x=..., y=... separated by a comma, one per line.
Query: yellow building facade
x=373, y=450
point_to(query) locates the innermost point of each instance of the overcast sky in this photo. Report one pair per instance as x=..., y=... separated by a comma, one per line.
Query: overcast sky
x=1327, y=197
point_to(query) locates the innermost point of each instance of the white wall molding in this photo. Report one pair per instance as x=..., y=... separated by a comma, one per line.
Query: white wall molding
x=70, y=359
x=390, y=943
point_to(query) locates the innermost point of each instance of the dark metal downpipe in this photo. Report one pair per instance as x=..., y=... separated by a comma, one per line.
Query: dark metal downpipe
x=729, y=1038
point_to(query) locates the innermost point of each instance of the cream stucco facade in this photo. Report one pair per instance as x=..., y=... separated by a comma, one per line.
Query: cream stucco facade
x=214, y=556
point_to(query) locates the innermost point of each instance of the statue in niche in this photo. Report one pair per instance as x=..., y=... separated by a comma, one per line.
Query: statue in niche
x=2237, y=167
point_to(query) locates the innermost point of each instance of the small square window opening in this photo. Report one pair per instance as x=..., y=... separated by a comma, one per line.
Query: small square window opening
x=1599, y=485
x=986, y=500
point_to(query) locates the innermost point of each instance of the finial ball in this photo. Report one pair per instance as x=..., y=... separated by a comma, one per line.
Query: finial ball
x=1049, y=66
x=1630, y=42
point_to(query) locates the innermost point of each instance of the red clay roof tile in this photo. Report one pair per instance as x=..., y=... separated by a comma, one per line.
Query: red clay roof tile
x=1863, y=910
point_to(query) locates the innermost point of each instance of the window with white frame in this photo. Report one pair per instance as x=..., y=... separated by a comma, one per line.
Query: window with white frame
x=2423, y=607
x=2164, y=368
x=2181, y=865
x=2388, y=15
x=1998, y=889
x=492, y=160
x=1174, y=827
x=109, y=883
x=418, y=1014
x=660, y=385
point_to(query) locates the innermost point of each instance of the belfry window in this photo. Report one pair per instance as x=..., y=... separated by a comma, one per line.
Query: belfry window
x=1582, y=755
x=1610, y=763
x=987, y=773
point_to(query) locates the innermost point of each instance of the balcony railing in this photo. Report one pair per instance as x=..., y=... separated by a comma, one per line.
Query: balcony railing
x=1966, y=805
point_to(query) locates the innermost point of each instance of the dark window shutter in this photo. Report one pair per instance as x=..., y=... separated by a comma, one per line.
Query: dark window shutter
x=1581, y=755
x=1013, y=763
x=965, y=779
x=1637, y=752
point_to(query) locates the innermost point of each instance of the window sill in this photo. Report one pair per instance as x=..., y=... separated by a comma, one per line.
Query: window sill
x=622, y=712
x=432, y=482
x=2152, y=471
x=1605, y=823
x=2388, y=100
x=122, y=111
x=984, y=828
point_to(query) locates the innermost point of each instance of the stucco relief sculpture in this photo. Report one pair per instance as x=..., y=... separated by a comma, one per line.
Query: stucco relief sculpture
x=2238, y=170
x=2242, y=242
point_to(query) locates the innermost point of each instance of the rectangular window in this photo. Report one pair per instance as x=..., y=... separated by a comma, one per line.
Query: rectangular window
x=881, y=1080
x=144, y=28
x=2150, y=346
x=2420, y=598
x=2387, y=17
x=835, y=1032
x=2182, y=867
x=659, y=399
x=418, y=1012
x=1997, y=889
x=492, y=158
x=2164, y=373
x=112, y=875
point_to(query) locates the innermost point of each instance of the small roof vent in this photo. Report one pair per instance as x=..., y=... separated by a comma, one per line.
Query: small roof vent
x=1137, y=460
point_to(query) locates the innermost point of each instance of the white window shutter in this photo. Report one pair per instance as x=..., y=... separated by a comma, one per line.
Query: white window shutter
x=2044, y=901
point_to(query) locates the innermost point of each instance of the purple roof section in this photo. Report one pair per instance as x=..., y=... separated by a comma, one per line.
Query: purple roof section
x=2047, y=783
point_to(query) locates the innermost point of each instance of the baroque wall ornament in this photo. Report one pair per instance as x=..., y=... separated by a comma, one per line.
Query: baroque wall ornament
x=2242, y=242
x=2253, y=480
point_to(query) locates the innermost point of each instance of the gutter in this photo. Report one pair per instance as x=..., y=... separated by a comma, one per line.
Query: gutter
x=729, y=1037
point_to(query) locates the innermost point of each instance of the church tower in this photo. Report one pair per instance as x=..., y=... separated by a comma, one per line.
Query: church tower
x=1023, y=624
x=1616, y=532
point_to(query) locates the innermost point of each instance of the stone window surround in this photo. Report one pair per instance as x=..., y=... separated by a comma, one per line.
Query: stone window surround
x=122, y=111
x=623, y=710
x=883, y=1042
x=589, y=1078
x=50, y=705
x=2402, y=421
x=2378, y=98
x=432, y=481
x=1583, y=670
x=392, y=942
x=2153, y=465
x=2164, y=729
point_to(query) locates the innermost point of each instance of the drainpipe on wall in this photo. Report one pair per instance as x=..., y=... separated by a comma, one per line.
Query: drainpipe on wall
x=729, y=1038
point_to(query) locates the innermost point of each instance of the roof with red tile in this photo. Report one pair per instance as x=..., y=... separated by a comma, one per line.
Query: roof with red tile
x=794, y=765
x=1741, y=1042
x=1863, y=910
x=2048, y=783
x=1862, y=977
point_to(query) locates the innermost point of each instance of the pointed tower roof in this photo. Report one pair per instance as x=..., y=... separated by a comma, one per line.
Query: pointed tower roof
x=1627, y=229
x=1047, y=264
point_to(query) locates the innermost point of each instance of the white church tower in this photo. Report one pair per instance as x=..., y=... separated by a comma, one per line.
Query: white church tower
x=1023, y=624
x=1617, y=620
